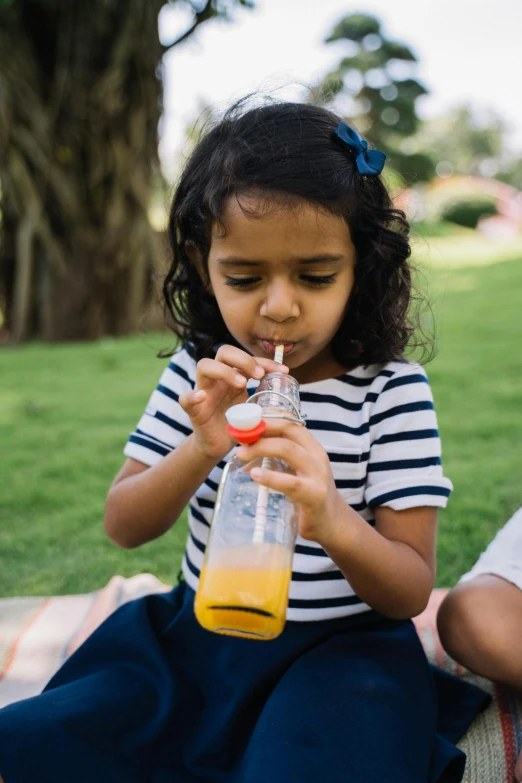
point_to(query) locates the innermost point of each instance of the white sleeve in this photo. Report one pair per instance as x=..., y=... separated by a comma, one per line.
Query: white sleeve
x=404, y=468
x=164, y=424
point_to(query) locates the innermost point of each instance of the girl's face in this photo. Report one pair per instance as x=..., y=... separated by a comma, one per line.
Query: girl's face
x=283, y=275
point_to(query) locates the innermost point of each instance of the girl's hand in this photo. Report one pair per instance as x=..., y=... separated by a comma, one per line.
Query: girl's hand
x=312, y=488
x=220, y=383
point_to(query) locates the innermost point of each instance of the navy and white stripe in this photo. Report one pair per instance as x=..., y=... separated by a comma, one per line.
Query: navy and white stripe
x=379, y=428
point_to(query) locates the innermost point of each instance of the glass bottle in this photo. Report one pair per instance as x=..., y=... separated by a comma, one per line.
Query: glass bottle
x=243, y=586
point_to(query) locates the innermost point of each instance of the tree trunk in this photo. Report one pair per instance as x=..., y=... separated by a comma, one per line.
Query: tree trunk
x=80, y=101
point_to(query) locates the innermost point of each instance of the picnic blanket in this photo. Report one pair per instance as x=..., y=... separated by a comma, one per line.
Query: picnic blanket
x=38, y=634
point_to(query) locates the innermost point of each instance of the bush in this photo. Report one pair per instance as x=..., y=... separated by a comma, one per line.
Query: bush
x=467, y=212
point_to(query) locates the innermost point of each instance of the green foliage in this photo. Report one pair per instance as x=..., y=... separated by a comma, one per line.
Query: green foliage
x=383, y=97
x=466, y=141
x=397, y=51
x=511, y=172
x=355, y=28
x=417, y=167
x=468, y=212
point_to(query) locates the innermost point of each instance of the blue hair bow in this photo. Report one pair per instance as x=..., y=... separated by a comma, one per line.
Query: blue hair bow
x=369, y=162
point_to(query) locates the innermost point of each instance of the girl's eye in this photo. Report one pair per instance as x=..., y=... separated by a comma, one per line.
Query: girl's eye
x=318, y=279
x=313, y=280
x=241, y=282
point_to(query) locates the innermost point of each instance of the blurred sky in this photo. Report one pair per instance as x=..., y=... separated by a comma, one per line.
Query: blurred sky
x=467, y=51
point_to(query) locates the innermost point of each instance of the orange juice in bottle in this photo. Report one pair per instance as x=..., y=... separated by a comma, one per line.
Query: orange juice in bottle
x=245, y=593
x=243, y=586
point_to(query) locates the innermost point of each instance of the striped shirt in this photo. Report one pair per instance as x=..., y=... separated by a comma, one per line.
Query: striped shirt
x=378, y=426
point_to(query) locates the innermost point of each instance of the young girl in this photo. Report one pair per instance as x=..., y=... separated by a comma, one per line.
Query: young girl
x=281, y=232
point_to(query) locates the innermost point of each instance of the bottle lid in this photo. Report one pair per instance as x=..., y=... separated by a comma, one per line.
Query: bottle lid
x=245, y=422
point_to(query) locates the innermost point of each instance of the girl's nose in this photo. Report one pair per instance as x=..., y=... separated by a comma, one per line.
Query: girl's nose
x=280, y=303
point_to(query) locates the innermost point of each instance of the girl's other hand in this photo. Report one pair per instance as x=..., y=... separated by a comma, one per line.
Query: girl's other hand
x=312, y=487
x=220, y=383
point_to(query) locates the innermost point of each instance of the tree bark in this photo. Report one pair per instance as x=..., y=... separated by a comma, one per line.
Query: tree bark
x=80, y=101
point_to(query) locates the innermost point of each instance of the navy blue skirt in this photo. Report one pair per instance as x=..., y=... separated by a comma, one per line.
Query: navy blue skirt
x=151, y=697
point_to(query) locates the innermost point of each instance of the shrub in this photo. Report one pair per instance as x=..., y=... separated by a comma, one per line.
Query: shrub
x=467, y=212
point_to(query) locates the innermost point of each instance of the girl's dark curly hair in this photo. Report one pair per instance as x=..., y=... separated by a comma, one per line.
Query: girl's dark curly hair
x=289, y=151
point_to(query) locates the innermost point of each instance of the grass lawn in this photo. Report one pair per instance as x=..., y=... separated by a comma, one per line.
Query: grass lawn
x=66, y=411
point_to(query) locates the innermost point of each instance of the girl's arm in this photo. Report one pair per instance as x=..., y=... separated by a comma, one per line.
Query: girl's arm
x=144, y=502
x=390, y=567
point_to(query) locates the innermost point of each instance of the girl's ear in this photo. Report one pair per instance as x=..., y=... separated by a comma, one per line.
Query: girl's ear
x=194, y=255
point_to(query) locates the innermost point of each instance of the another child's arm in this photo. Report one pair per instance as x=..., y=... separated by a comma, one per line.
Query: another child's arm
x=144, y=502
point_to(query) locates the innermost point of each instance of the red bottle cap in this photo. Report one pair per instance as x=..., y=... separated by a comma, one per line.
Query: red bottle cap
x=246, y=437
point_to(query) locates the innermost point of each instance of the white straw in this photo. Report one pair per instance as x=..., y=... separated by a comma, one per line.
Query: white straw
x=262, y=497
x=279, y=353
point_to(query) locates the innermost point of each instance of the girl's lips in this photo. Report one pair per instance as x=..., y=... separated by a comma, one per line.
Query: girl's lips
x=270, y=347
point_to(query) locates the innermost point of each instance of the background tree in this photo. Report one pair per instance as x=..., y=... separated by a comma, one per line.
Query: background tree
x=80, y=101
x=377, y=76
x=468, y=141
